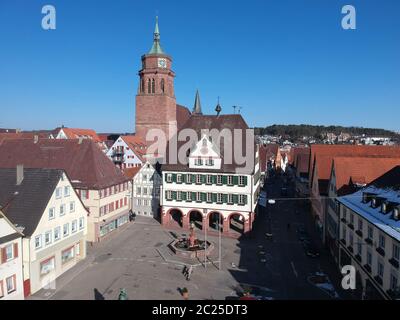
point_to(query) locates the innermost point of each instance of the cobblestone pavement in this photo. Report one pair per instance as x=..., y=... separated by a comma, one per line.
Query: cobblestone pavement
x=138, y=259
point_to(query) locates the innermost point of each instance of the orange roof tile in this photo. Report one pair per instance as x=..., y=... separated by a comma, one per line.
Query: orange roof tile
x=75, y=133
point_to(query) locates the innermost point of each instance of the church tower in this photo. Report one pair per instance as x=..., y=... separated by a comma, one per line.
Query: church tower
x=155, y=100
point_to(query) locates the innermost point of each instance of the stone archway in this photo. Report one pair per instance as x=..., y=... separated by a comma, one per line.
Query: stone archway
x=214, y=219
x=236, y=223
x=196, y=218
x=176, y=218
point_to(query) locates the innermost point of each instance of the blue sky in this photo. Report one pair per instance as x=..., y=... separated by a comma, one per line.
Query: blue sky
x=282, y=61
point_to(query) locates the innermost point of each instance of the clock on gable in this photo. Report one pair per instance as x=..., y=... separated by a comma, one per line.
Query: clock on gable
x=162, y=63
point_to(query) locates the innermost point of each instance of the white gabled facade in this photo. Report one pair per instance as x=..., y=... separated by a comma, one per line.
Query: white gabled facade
x=11, y=281
x=203, y=197
x=146, y=191
x=59, y=240
x=123, y=155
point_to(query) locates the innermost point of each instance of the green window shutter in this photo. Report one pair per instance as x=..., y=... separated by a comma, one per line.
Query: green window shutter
x=203, y=178
x=224, y=198
x=214, y=197
x=224, y=180
x=235, y=198
x=173, y=195
x=235, y=180
x=245, y=180
x=214, y=179
x=188, y=179
x=194, y=196
x=166, y=175
x=245, y=199
x=184, y=196
x=174, y=177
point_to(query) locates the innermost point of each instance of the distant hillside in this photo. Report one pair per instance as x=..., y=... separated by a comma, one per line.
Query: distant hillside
x=295, y=131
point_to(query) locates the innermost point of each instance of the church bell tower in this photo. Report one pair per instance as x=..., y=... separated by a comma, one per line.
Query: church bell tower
x=155, y=99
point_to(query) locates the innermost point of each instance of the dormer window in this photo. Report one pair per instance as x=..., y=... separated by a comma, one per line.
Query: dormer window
x=198, y=162
x=384, y=207
x=169, y=177
x=210, y=162
x=396, y=213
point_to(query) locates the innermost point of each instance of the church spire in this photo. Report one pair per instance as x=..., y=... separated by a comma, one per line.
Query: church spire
x=156, y=48
x=197, y=104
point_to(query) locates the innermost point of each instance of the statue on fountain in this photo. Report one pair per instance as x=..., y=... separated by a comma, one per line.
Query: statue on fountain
x=192, y=237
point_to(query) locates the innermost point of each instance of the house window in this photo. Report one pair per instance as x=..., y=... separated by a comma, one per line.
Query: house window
x=219, y=197
x=169, y=177
x=57, y=233
x=344, y=232
x=241, y=198
x=352, y=218
x=179, y=178
x=145, y=202
x=370, y=233
x=144, y=177
x=66, y=229
x=393, y=282
x=382, y=241
x=9, y=252
x=396, y=252
x=351, y=240
x=230, y=180
x=344, y=213
x=145, y=191
x=198, y=179
x=84, y=194
x=62, y=209
x=360, y=224
x=189, y=196
x=380, y=269
x=72, y=206
x=198, y=196
x=66, y=191
x=179, y=195
x=138, y=191
x=359, y=249
x=52, y=213
x=209, y=197
x=169, y=195
x=67, y=255
x=47, y=266
x=38, y=242
x=188, y=178
x=10, y=283
x=241, y=180
x=198, y=162
x=81, y=223
x=230, y=198
x=219, y=179
x=369, y=258
x=58, y=193
x=47, y=238
x=74, y=226
x=210, y=162
x=209, y=179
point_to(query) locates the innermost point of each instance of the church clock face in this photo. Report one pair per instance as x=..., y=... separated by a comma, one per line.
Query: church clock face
x=162, y=62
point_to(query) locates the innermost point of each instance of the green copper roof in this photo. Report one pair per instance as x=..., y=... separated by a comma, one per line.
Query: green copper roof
x=156, y=48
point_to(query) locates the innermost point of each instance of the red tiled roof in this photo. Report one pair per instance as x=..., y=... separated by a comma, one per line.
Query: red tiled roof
x=182, y=114
x=322, y=155
x=137, y=145
x=301, y=162
x=131, y=172
x=363, y=170
x=74, y=133
x=86, y=165
x=295, y=151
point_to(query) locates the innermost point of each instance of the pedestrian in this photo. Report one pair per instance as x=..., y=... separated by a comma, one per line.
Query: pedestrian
x=189, y=273
x=184, y=271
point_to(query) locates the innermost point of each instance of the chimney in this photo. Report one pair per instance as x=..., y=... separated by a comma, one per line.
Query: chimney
x=80, y=139
x=35, y=138
x=20, y=174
